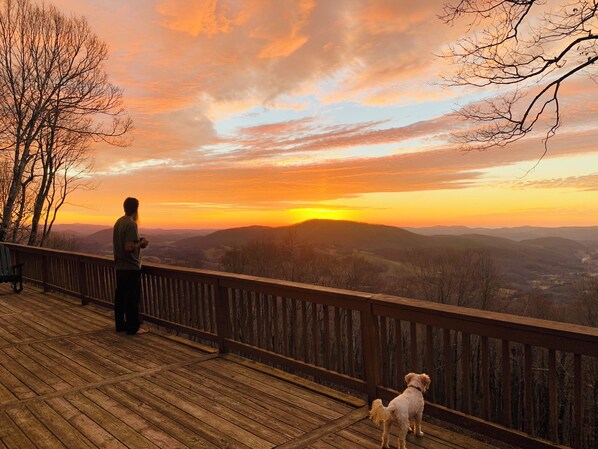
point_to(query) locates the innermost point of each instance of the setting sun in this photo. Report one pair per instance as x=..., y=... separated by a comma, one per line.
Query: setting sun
x=300, y=215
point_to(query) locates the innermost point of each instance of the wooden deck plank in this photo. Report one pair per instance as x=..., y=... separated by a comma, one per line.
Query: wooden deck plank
x=59, y=356
x=37, y=369
x=298, y=420
x=85, y=425
x=19, y=389
x=60, y=428
x=92, y=362
x=284, y=391
x=254, y=418
x=106, y=421
x=309, y=395
x=159, y=421
x=36, y=323
x=133, y=420
x=208, y=414
x=89, y=321
x=36, y=352
x=115, y=354
x=12, y=435
x=39, y=435
x=96, y=358
x=52, y=327
x=25, y=327
x=9, y=332
x=180, y=417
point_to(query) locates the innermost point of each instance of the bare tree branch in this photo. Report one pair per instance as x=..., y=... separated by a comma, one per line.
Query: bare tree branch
x=526, y=49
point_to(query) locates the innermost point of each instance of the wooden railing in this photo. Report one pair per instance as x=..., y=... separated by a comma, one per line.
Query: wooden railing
x=529, y=382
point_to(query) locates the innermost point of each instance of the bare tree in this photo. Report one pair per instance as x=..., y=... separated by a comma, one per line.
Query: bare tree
x=466, y=278
x=527, y=49
x=52, y=79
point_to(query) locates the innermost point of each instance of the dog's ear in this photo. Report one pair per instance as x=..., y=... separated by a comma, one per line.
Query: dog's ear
x=425, y=380
x=409, y=376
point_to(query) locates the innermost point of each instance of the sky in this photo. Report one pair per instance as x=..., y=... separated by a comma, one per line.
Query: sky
x=272, y=112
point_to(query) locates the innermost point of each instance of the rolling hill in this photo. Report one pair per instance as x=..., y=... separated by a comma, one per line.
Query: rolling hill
x=321, y=233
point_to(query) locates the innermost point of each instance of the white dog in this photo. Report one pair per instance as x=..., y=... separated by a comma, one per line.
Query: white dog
x=407, y=407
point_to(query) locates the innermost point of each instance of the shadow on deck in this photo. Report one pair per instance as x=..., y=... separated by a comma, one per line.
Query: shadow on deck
x=68, y=380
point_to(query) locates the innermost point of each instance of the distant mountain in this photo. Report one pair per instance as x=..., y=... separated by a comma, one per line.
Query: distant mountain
x=579, y=233
x=77, y=229
x=321, y=233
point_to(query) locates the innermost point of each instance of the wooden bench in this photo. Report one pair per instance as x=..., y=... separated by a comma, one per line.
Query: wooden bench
x=9, y=272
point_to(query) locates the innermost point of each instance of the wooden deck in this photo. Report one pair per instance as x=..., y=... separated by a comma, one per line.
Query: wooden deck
x=67, y=380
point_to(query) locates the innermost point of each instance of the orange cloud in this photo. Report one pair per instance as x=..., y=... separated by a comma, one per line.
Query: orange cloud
x=208, y=17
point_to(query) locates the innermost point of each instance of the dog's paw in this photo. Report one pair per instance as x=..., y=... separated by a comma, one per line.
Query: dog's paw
x=420, y=434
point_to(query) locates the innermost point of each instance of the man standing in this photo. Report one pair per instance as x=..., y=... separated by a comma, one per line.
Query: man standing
x=127, y=244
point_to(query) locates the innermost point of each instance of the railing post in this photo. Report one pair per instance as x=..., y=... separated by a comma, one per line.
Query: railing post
x=371, y=358
x=222, y=315
x=82, y=281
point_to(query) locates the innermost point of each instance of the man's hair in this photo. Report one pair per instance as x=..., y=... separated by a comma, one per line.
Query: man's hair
x=131, y=205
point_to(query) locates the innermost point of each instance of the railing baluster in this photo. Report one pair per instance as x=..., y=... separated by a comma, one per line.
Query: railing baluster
x=578, y=402
x=268, y=322
x=195, y=302
x=315, y=332
x=430, y=359
x=338, y=340
x=304, y=330
x=275, y=323
x=294, y=328
x=285, y=326
x=465, y=356
x=45, y=272
x=350, y=347
x=414, y=349
x=506, y=383
x=553, y=411
x=221, y=300
x=485, y=379
x=383, y=344
x=327, y=358
x=447, y=368
x=399, y=353
x=82, y=281
x=251, y=312
x=528, y=387
x=156, y=295
x=262, y=323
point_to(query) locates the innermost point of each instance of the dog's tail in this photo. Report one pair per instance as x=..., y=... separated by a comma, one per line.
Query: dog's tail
x=378, y=413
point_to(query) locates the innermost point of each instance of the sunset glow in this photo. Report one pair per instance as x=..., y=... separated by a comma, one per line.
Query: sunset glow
x=271, y=112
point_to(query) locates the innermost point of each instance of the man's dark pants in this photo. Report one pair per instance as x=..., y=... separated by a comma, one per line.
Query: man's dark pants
x=126, y=301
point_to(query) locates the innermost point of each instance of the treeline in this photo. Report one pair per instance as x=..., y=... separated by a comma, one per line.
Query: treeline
x=292, y=260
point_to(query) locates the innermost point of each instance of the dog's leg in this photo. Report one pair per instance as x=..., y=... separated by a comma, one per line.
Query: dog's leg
x=402, y=443
x=418, y=425
x=386, y=434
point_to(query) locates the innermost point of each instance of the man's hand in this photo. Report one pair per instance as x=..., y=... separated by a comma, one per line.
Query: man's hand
x=143, y=242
